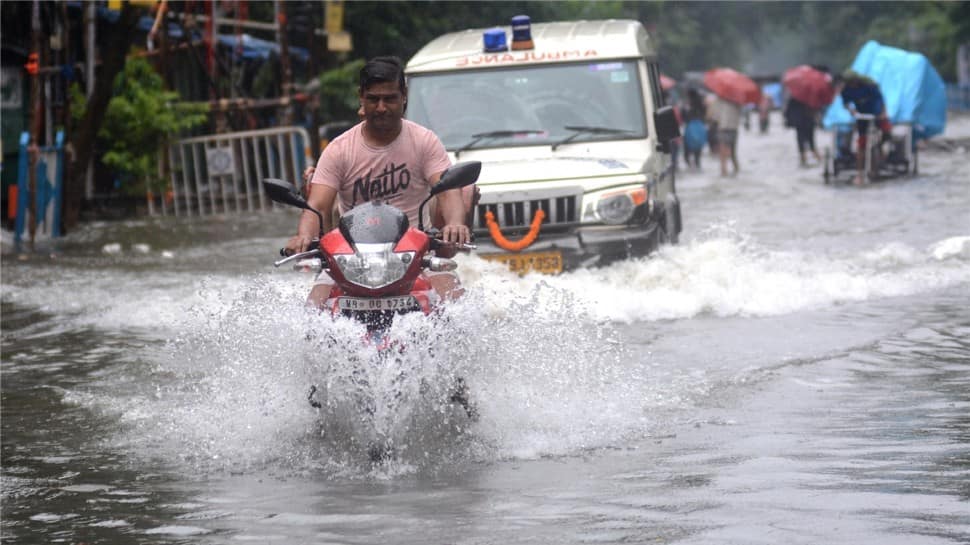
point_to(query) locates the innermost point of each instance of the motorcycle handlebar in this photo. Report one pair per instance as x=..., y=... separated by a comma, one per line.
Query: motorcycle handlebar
x=451, y=248
x=294, y=257
x=314, y=245
x=313, y=251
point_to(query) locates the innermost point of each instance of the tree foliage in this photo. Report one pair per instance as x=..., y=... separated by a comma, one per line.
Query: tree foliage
x=141, y=118
x=338, y=91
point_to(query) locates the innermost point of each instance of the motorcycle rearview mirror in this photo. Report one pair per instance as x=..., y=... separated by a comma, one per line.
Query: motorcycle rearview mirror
x=283, y=192
x=458, y=175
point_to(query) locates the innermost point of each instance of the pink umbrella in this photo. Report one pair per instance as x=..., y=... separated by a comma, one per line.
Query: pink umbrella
x=808, y=85
x=732, y=85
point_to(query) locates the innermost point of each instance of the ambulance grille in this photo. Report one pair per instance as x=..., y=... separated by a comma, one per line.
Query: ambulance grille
x=513, y=215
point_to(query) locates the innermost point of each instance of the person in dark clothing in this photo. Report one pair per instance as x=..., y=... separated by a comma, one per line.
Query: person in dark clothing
x=860, y=94
x=710, y=101
x=695, y=129
x=801, y=117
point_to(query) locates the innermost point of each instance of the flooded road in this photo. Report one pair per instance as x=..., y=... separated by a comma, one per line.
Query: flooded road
x=797, y=370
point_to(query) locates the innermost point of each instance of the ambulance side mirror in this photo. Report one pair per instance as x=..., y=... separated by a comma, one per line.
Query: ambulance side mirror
x=667, y=127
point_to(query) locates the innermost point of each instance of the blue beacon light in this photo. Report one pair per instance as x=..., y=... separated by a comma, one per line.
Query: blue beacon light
x=494, y=40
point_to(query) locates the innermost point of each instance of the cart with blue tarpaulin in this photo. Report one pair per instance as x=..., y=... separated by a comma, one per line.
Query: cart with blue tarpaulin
x=915, y=101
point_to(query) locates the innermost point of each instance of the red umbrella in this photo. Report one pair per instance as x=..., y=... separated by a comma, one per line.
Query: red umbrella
x=732, y=85
x=667, y=83
x=808, y=85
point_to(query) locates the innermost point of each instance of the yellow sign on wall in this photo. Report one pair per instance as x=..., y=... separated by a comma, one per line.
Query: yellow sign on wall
x=334, y=16
x=116, y=4
x=338, y=39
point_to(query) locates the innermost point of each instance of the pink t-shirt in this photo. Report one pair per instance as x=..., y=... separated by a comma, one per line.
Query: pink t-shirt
x=397, y=174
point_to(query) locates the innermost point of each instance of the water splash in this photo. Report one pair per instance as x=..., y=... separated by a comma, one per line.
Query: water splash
x=725, y=273
x=231, y=391
x=545, y=367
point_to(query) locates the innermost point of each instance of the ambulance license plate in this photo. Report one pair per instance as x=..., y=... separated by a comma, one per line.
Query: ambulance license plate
x=543, y=262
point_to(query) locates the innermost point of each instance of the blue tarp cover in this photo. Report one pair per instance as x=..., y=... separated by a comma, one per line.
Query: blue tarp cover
x=913, y=90
x=246, y=46
x=255, y=48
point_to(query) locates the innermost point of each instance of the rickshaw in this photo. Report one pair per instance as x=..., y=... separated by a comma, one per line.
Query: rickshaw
x=915, y=100
x=884, y=158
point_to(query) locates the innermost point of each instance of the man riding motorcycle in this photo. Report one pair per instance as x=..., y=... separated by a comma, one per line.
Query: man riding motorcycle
x=383, y=157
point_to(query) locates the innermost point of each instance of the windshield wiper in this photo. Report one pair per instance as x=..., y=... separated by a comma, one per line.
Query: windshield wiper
x=582, y=129
x=476, y=138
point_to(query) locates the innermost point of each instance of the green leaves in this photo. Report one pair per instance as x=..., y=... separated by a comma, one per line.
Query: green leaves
x=140, y=120
x=338, y=91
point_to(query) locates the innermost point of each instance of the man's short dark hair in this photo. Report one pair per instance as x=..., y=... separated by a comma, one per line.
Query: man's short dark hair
x=382, y=70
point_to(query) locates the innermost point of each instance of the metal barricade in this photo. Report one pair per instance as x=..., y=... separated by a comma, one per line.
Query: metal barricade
x=222, y=173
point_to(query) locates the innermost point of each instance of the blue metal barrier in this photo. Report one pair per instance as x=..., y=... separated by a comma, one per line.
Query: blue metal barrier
x=49, y=188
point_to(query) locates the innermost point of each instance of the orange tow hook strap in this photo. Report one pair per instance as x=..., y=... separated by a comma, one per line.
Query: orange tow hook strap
x=520, y=244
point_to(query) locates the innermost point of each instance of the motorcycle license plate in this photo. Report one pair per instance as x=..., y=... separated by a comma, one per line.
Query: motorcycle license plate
x=543, y=262
x=400, y=302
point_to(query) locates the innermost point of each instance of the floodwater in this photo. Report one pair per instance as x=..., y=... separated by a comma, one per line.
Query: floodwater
x=796, y=371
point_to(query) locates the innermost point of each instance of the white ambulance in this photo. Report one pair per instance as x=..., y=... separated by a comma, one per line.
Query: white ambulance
x=570, y=125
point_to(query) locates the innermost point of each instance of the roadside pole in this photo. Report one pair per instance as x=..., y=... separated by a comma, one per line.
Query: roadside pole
x=286, y=85
x=36, y=102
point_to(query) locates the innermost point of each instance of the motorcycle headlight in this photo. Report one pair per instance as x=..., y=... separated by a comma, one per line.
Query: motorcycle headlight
x=615, y=207
x=374, y=265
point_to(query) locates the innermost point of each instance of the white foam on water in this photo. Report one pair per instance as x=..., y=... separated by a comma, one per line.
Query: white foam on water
x=724, y=274
x=111, y=523
x=721, y=273
x=129, y=301
x=951, y=248
x=181, y=531
x=52, y=517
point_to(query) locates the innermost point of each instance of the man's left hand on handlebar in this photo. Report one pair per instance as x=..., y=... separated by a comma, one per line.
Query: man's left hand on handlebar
x=457, y=233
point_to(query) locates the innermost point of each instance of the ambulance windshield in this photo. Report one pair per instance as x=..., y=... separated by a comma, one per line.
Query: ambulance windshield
x=531, y=105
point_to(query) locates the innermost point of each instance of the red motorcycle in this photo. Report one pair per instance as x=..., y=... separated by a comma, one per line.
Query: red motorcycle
x=376, y=259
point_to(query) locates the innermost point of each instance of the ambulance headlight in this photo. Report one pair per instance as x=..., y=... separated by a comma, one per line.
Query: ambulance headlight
x=614, y=207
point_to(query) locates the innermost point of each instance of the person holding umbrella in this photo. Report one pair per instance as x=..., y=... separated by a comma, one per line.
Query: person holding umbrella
x=733, y=90
x=801, y=117
x=728, y=117
x=809, y=90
